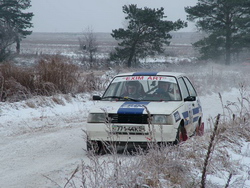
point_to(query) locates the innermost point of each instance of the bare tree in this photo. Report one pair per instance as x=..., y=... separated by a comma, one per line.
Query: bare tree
x=88, y=45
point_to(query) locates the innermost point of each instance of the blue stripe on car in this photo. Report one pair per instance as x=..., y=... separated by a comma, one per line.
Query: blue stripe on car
x=195, y=119
x=145, y=74
x=185, y=114
x=196, y=110
x=132, y=107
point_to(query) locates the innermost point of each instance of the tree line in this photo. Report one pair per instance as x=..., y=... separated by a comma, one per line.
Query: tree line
x=225, y=23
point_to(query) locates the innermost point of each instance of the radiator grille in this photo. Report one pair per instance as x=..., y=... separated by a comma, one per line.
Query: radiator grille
x=129, y=118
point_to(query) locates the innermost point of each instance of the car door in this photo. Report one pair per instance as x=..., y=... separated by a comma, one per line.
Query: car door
x=196, y=108
x=190, y=102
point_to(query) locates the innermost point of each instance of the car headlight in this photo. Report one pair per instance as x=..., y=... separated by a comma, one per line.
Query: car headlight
x=162, y=120
x=96, y=118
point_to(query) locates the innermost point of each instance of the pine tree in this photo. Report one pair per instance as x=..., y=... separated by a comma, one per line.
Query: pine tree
x=14, y=21
x=146, y=33
x=227, y=25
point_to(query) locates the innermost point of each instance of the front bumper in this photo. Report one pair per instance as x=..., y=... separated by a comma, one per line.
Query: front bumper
x=106, y=133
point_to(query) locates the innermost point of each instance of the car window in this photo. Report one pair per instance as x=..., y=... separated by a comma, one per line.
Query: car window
x=148, y=88
x=183, y=87
x=114, y=89
x=174, y=91
x=190, y=87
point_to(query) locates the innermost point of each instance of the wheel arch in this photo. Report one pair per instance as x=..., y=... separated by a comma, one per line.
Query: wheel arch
x=181, y=136
x=181, y=123
x=199, y=121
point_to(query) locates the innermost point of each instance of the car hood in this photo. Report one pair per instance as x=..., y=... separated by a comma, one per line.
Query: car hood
x=131, y=107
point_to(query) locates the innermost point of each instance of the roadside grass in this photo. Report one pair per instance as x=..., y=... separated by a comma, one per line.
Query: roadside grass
x=188, y=164
x=51, y=75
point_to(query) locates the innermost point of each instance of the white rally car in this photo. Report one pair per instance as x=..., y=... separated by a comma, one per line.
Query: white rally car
x=141, y=107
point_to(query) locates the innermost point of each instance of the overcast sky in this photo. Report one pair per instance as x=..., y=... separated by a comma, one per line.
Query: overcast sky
x=100, y=15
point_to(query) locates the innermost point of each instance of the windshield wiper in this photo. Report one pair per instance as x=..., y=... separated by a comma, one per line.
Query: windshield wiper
x=113, y=97
x=119, y=97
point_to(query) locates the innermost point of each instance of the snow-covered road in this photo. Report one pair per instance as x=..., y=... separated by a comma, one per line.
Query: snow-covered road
x=26, y=159
x=36, y=143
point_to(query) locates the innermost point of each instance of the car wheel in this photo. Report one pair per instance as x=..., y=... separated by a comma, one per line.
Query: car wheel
x=181, y=134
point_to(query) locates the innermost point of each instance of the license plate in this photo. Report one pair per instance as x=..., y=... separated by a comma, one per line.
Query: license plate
x=128, y=129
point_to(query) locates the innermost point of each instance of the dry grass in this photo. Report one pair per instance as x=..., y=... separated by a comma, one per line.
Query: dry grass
x=15, y=82
x=52, y=75
x=56, y=74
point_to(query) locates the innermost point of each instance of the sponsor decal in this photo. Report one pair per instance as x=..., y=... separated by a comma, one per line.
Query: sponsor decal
x=156, y=78
x=177, y=116
x=151, y=78
x=146, y=78
x=135, y=78
x=196, y=110
x=185, y=114
x=132, y=107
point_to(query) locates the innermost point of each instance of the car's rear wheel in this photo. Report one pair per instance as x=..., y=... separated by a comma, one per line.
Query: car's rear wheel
x=181, y=135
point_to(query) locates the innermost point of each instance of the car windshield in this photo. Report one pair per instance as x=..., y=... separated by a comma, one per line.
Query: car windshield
x=143, y=88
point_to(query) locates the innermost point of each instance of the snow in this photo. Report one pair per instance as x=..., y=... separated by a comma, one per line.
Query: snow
x=212, y=106
x=41, y=145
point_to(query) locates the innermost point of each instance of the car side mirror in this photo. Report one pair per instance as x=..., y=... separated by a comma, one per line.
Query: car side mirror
x=190, y=98
x=96, y=97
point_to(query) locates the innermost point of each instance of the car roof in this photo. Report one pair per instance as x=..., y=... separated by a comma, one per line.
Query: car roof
x=151, y=73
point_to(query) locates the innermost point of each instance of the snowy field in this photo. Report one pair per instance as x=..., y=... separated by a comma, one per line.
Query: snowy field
x=67, y=44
